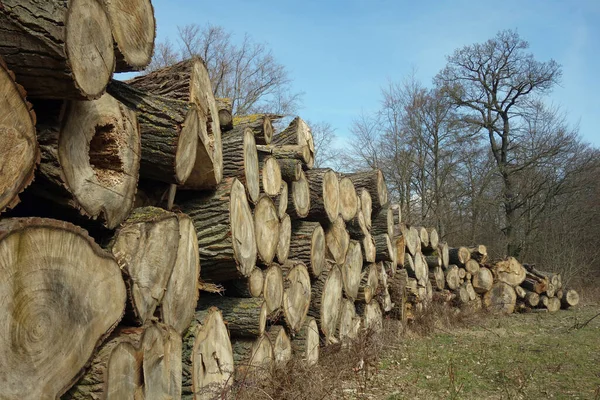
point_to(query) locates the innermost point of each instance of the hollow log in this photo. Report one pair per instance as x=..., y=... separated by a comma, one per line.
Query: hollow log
x=266, y=228
x=285, y=237
x=290, y=168
x=348, y=327
x=224, y=106
x=61, y=50
x=501, y=298
x=366, y=205
x=383, y=222
x=459, y=256
x=273, y=288
x=260, y=124
x=270, y=182
x=188, y=81
x=337, y=241
x=240, y=161
x=305, y=343
x=244, y=317
x=282, y=346
x=326, y=301
x=570, y=299
x=251, y=286
x=351, y=270
x=252, y=357
x=296, y=295
x=324, y=195
x=374, y=182
x=369, y=283
x=483, y=280
x=162, y=362
x=225, y=229
x=472, y=266
x=90, y=159
x=18, y=143
x=207, y=357
x=452, y=278
x=297, y=133
x=371, y=314
x=179, y=301
x=299, y=198
x=62, y=295
x=307, y=245
x=348, y=199
x=510, y=271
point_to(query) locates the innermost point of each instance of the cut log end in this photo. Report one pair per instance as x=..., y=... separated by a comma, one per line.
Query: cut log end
x=266, y=226
x=285, y=236
x=348, y=199
x=337, y=240
x=242, y=229
x=273, y=288
x=271, y=176
x=351, y=270
x=296, y=297
x=300, y=196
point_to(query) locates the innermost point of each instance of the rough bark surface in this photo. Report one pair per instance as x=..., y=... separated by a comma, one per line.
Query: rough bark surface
x=240, y=161
x=308, y=246
x=244, y=317
x=260, y=124
x=374, y=182
x=297, y=133
x=305, y=344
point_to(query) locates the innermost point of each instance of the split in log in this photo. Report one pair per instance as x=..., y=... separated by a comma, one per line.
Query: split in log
x=260, y=124
x=252, y=357
x=374, y=182
x=90, y=158
x=459, y=256
x=324, y=195
x=326, y=302
x=134, y=30
x=225, y=108
x=162, y=362
x=368, y=248
x=62, y=295
x=483, y=280
x=207, y=356
x=270, y=176
x=240, y=161
x=308, y=246
x=188, y=81
x=273, y=288
x=145, y=246
x=179, y=302
x=266, y=228
x=501, y=298
x=510, y=271
x=296, y=295
x=383, y=222
x=371, y=314
x=18, y=143
x=297, y=133
x=348, y=199
x=282, y=346
x=369, y=283
x=337, y=241
x=351, y=270
x=306, y=342
x=472, y=266
x=290, y=169
x=62, y=50
x=281, y=200
x=251, y=286
x=349, y=325
x=366, y=205
x=570, y=299
x=225, y=230
x=452, y=278
x=285, y=237
x=244, y=317
x=299, y=198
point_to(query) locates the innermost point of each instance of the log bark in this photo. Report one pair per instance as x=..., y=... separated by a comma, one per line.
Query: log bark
x=251, y=286
x=510, y=271
x=400, y=251
x=324, y=195
x=357, y=227
x=459, y=256
x=348, y=199
x=396, y=287
x=61, y=296
x=501, y=298
x=570, y=299
x=266, y=228
x=296, y=295
x=372, y=315
x=133, y=28
x=483, y=280
x=146, y=246
x=18, y=143
x=351, y=270
x=162, y=362
x=479, y=253
x=273, y=288
x=188, y=81
x=225, y=229
x=349, y=324
x=207, y=357
x=374, y=182
x=532, y=299
x=224, y=106
x=282, y=346
x=290, y=168
x=299, y=198
x=240, y=161
x=369, y=283
x=383, y=222
x=437, y=278
x=271, y=181
x=535, y=284
x=62, y=50
x=90, y=159
x=385, y=251
x=433, y=261
x=169, y=133
x=260, y=124
x=285, y=237
x=179, y=301
x=301, y=153
x=326, y=302
x=337, y=241
x=308, y=246
x=297, y=133
x=306, y=342
x=244, y=317
x=252, y=357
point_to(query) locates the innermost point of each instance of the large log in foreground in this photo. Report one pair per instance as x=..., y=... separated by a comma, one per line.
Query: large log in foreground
x=225, y=230
x=58, y=49
x=61, y=295
x=326, y=302
x=501, y=298
x=90, y=159
x=18, y=144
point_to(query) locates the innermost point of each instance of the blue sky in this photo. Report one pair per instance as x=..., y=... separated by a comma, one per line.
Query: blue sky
x=340, y=53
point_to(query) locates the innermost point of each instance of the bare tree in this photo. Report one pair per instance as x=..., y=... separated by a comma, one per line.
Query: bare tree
x=324, y=137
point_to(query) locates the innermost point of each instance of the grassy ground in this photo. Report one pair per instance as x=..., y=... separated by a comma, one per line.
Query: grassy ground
x=521, y=356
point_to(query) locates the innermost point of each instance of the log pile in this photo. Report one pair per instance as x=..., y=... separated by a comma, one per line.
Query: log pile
x=179, y=196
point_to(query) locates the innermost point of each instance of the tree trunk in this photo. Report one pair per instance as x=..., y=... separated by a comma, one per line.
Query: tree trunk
x=383, y=295
x=510, y=271
x=535, y=284
x=337, y=240
x=224, y=106
x=188, y=81
x=225, y=229
x=501, y=298
x=90, y=158
x=270, y=182
x=252, y=357
x=348, y=199
x=296, y=295
x=169, y=133
x=306, y=342
x=384, y=249
x=433, y=261
x=462, y=295
x=301, y=153
x=444, y=252
x=369, y=282
x=374, y=182
x=299, y=198
x=520, y=292
x=207, y=357
x=252, y=286
x=570, y=299
x=479, y=253
x=273, y=288
x=260, y=124
x=297, y=133
x=396, y=288
x=308, y=246
x=61, y=50
x=349, y=324
x=285, y=237
x=290, y=168
x=244, y=317
x=551, y=303
x=357, y=227
x=146, y=248
x=483, y=280
x=366, y=205
x=162, y=362
x=179, y=301
x=459, y=256
x=326, y=302
x=351, y=270
x=18, y=143
x=134, y=29
x=452, y=278
x=282, y=346
x=324, y=195
x=266, y=228
x=419, y=269
x=371, y=314
x=383, y=222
